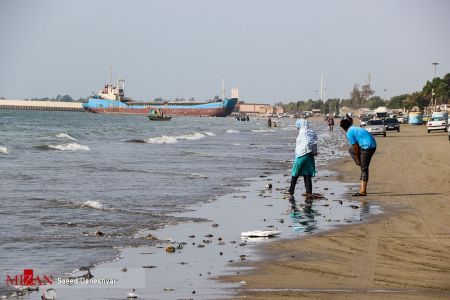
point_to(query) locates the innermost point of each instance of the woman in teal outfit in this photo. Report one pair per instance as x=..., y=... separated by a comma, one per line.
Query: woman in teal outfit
x=304, y=164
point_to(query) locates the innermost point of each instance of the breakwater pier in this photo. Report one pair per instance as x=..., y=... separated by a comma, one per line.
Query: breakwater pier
x=41, y=105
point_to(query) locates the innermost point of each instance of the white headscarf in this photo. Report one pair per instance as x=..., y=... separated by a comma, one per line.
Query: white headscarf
x=306, y=140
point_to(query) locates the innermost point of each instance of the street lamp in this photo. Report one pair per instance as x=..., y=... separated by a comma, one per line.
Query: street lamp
x=435, y=65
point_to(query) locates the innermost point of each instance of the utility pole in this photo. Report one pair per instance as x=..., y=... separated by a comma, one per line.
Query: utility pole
x=321, y=87
x=385, y=98
x=435, y=65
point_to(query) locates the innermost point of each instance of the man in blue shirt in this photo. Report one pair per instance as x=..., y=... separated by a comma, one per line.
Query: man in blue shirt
x=362, y=148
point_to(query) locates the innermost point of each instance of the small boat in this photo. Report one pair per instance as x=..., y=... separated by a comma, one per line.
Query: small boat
x=156, y=114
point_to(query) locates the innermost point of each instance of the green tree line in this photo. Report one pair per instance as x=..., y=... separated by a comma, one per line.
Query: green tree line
x=363, y=97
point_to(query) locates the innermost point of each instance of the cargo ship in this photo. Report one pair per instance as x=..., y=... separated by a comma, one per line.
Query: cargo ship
x=111, y=100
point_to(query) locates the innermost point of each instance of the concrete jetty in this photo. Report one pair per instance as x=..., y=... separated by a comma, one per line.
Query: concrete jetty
x=41, y=105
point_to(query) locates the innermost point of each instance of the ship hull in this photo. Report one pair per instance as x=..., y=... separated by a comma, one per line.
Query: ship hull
x=211, y=109
x=120, y=111
x=201, y=112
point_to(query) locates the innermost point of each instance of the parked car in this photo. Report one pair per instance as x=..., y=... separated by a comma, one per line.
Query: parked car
x=401, y=119
x=376, y=126
x=392, y=124
x=425, y=119
x=363, y=121
x=437, y=123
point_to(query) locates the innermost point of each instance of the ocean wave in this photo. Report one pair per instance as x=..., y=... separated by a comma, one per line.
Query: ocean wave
x=187, y=174
x=65, y=136
x=3, y=150
x=173, y=139
x=161, y=140
x=191, y=136
x=92, y=204
x=232, y=131
x=141, y=141
x=69, y=147
x=195, y=175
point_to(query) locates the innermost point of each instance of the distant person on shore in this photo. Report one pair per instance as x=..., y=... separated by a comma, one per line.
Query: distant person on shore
x=269, y=122
x=304, y=164
x=330, y=122
x=362, y=148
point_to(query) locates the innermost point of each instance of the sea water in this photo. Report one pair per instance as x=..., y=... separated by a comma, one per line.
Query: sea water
x=76, y=186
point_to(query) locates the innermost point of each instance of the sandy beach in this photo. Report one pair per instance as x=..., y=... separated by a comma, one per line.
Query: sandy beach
x=213, y=246
x=404, y=254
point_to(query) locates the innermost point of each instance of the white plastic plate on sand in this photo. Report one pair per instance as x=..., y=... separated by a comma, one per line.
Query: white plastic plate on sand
x=260, y=233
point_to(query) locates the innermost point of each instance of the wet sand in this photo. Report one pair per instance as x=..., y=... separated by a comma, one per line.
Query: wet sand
x=212, y=246
x=404, y=254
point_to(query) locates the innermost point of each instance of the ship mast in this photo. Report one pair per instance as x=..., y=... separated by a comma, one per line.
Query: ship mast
x=109, y=75
x=223, y=89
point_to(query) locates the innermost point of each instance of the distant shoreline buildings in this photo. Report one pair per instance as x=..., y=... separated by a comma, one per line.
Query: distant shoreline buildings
x=252, y=109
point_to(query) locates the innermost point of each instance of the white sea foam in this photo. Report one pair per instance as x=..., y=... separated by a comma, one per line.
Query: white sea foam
x=196, y=175
x=92, y=204
x=69, y=147
x=161, y=140
x=65, y=136
x=191, y=136
x=3, y=150
x=164, y=139
x=232, y=131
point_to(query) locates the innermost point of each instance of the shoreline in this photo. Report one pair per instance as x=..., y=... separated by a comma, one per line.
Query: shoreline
x=133, y=257
x=404, y=254
x=150, y=270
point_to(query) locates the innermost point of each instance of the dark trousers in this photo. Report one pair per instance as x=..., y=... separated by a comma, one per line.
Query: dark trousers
x=365, y=157
x=306, y=179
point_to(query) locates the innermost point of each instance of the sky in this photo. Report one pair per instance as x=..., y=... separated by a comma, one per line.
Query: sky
x=273, y=51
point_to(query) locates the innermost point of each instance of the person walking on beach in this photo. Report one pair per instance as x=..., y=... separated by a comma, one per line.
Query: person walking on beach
x=269, y=122
x=330, y=122
x=362, y=148
x=304, y=164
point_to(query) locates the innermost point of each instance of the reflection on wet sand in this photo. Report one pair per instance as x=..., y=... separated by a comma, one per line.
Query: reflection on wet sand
x=302, y=216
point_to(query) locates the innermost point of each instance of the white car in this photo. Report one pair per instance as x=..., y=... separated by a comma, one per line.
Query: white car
x=376, y=126
x=363, y=121
x=437, y=123
x=401, y=119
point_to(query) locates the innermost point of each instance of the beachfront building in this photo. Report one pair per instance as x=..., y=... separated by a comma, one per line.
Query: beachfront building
x=258, y=109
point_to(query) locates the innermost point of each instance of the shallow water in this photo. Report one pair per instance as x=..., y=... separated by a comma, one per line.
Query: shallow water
x=67, y=176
